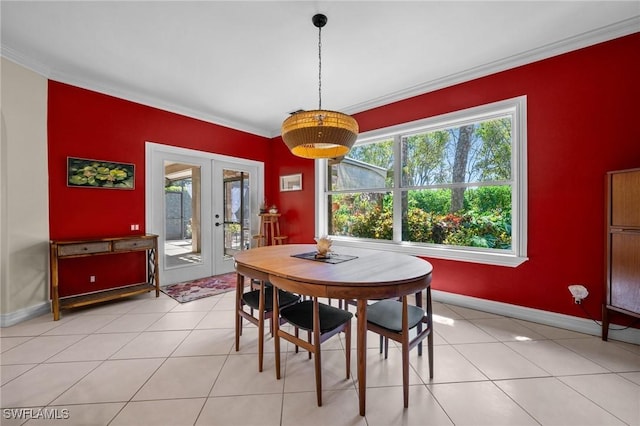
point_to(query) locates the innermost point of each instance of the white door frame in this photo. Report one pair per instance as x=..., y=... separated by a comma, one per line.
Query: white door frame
x=154, y=217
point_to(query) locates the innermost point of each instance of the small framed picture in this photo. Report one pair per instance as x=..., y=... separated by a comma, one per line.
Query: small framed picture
x=86, y=173
x=291, y=182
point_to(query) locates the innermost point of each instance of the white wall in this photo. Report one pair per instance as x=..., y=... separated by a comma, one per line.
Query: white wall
x=24, y=194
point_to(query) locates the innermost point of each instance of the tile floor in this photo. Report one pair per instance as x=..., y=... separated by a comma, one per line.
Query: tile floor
x=148, y=361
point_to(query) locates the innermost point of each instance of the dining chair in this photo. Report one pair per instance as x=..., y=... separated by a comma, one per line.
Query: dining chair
x=322, y=321
x=259, y=300
x=394, y=319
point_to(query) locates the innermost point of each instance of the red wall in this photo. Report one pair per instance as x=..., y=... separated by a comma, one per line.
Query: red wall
x=87, y=124
x=582, y=121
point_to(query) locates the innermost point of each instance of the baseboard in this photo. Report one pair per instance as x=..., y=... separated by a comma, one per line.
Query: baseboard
x=12, y=318
x=568, y=322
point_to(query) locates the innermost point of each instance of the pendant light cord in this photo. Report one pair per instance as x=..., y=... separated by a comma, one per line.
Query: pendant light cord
x=319, y=68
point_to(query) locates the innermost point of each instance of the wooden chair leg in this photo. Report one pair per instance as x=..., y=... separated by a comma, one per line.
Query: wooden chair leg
x=316, y=349
x=405, y=352
x=239, y=290
x=276, y=329
x=261, y=327
x=347, y=349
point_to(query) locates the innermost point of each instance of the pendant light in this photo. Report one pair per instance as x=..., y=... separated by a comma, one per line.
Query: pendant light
x=319, y=133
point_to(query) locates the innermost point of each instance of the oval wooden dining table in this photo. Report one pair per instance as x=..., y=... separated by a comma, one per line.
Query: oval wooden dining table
x=367, y=274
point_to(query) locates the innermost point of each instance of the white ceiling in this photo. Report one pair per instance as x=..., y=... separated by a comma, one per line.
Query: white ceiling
x=247, y=64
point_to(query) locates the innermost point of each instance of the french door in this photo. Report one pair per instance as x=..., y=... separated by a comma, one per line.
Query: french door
x=203, y=207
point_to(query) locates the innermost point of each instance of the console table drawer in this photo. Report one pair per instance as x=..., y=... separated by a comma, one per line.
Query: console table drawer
x=84, y=248
x=134, y=244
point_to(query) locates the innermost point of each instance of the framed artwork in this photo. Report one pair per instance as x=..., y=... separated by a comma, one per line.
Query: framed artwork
x=86, y=173
x=291, y=182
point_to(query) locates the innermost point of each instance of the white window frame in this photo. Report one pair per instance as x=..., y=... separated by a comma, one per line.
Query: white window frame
x=517, y=109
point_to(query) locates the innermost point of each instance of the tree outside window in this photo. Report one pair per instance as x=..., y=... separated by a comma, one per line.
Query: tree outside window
x=447, y=184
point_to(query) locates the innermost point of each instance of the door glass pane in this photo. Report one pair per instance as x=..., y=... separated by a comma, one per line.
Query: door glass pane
x=236, y=211
x=182, y=196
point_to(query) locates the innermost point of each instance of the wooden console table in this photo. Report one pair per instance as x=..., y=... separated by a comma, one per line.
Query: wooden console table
x=100, y=247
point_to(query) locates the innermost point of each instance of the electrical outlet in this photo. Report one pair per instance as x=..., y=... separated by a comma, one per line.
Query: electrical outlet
x=92, y=278
x=578, y=292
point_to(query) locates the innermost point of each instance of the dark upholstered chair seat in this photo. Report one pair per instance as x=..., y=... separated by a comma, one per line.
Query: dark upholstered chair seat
x=388, y=314
x=301, y=316
x=252, y=298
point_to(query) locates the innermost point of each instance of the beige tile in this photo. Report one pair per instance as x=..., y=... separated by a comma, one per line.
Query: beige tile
x=632, y=377
x=218, y=319
x=497, y=361
x=94, y=347
x=383, y=372
x=470, y=314
x=445, y=311
x=608, y=355
x=299, y=372
x=161, y=304
x=81, y=415
x=555, y=358
x=385, y=406
x=42, y=384
x=10, y=372
x=207, y=342
x=550, y=332
x=242, y=410
x=131, y=323
x=115, y=307
x=152, y=344
x=550, y=401
x=7, y=343
x=112, y=381
x=507, y=330
x=179, y=412
x=226, y=301
x=33, y=327
x=200, y=305
x=339, y=407
x=449, y=366
x=177, y=321
x=84, y=324
x=239, y=376
x=611, y=392
x=184, y=377
x=479, y=403
x=462, y=331
x=38, y=349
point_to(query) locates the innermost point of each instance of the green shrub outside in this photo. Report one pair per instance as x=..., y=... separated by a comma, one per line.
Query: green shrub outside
x=484, y=222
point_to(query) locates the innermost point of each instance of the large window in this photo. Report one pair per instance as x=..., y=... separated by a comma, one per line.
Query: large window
x=452, y=187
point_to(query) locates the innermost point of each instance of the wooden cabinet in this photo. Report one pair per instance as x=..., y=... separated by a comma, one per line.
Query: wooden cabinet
x=101, y=247
x=622, y=246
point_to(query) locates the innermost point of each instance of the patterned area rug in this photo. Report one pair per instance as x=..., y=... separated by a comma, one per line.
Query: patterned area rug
x=203, y=287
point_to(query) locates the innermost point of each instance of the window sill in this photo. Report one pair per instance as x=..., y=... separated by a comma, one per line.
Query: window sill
x=473, y=256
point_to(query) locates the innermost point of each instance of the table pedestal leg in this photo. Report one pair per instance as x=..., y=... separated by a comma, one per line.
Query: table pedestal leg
x=362, y=354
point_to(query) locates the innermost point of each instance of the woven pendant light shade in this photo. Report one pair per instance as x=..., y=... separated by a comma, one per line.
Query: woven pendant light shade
x=319, y=134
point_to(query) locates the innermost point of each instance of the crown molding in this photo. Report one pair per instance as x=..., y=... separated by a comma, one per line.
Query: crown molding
x=620, y=29
x=590, y=38
x=150, y=101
